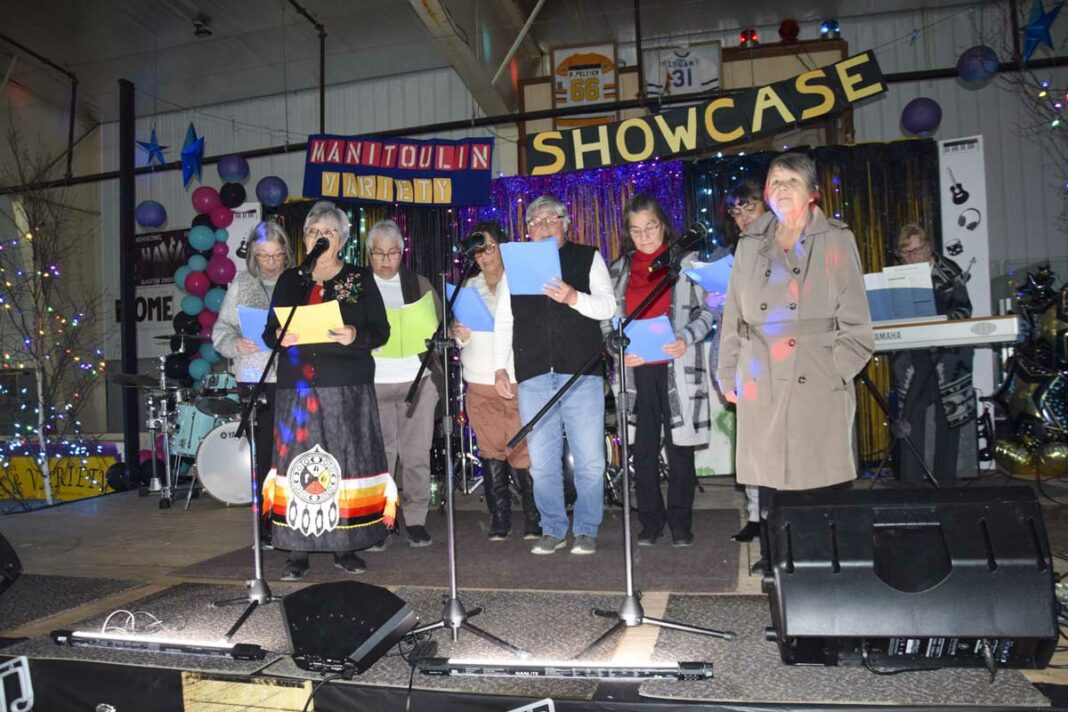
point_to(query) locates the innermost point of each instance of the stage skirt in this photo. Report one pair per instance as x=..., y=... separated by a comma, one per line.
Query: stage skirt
x=330, y=488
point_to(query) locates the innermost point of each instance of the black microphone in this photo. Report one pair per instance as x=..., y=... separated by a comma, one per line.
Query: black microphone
x=473, y=243
x=306, y=267
x=696, y=234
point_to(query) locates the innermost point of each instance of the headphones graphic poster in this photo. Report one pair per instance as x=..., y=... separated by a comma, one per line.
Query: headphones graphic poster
x=970, y=219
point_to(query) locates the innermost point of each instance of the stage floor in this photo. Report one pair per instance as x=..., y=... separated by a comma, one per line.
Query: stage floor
x=89, y=558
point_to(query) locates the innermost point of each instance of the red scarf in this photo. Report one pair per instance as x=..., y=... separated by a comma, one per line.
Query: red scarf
x=642, y=282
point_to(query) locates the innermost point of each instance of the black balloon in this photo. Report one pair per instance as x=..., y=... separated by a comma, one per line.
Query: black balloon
x=186, y=324
x=203, y=220
x=232, y=194
x=176, y=366
x=185, y=343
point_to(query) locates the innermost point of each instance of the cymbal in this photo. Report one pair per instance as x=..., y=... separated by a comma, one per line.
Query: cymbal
x=137, y=380
x=190, y=337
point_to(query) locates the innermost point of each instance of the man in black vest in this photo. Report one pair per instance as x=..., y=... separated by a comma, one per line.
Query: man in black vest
x=551, y=336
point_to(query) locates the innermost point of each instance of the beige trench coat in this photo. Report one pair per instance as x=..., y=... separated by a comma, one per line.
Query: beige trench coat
x=796, y=330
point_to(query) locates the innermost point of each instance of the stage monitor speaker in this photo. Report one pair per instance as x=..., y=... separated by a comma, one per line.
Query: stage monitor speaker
x=10, y=566
x=344, y=624
x=911, y=578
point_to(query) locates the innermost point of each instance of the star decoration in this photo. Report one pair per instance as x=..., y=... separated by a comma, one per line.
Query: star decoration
x=1036, y=31
x=155, y=151
x=1052, y=327
x=192, y=155
x=1019, y=394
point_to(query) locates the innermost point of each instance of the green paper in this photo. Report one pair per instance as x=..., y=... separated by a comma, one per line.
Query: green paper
x=409, y=328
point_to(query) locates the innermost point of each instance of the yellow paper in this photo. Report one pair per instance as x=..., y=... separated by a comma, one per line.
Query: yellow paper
x=311, y=323
x=409, y=328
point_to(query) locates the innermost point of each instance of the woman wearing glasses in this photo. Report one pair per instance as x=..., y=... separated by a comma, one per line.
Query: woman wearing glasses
x=669, y=395
x=331, y=490
x=494, y=419
x=267, y=259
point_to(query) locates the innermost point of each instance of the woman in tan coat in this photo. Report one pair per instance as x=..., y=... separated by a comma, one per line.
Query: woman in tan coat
x=796, y=330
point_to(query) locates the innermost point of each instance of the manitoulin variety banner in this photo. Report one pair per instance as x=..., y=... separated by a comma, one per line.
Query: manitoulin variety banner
x=727, y=119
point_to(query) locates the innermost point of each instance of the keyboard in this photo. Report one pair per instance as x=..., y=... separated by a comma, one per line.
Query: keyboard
x=977, y=331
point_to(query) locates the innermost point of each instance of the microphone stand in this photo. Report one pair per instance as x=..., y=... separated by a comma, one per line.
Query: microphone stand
x=453, y=616
x=259, y=593
x=630, y=613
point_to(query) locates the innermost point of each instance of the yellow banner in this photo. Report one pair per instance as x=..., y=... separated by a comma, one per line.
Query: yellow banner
x=72, y=477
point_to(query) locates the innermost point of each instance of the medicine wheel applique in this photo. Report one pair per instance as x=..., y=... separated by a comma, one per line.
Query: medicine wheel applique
x=314, y=482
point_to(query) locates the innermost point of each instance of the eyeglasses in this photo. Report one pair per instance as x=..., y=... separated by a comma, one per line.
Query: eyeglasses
x=649, y=229
x=550, y=221
x=916, y=251
x=312, y=233
x=380, y=255
x=270, y=256
x=746, y=208
x=488, y=249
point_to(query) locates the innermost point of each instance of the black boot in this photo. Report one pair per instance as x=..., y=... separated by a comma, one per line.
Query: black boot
x=531, y=516
x=764, y=565
x=498, y=498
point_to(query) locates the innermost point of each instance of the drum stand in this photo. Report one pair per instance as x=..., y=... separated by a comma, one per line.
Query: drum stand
x=163, y=422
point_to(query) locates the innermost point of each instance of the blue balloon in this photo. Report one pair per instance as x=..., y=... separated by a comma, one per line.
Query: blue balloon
x=977, y=65
x=214, y=298
x=221, y=235
x=149, y=213
x=179, y=276
x=192, y=305
x=201, y=237
x=233, y=168
x=921, y=116
x=272, y=191
x=208, y=353
x=198, y=263
x=198, y=368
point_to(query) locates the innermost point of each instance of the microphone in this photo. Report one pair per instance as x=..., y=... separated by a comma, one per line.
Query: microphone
x=697, y=233
x=473, y=243
x=306, y=267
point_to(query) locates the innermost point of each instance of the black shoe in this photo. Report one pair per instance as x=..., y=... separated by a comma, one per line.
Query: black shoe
x=648, y=537
x=748, y=532
x=348, y=562
x=759, y=568
x=498, y=533
x=682, y=541
x=296, y=566
x=419, y=536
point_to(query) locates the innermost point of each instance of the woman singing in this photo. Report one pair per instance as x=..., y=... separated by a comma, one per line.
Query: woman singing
x=332, y=491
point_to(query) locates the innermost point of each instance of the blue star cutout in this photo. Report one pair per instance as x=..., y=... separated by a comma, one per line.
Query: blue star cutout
x=1036, y=31
x=155, y=151
x=192, y=155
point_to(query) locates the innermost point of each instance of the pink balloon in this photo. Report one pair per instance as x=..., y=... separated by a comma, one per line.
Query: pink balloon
x=221, y=249
x=221, y=269
x=206, y=331
x=197, y=284
x=221, y=216
x=144, y=456
x=206, y=199
x=207, y=317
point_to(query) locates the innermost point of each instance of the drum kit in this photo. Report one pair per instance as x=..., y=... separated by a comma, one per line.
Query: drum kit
x=197, y=426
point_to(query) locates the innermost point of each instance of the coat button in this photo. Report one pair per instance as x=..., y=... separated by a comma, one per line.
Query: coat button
x=792, y=342
x=767, y=273
x=793, y=305
x=797, y=270
x=763, y=307
x=800, y=379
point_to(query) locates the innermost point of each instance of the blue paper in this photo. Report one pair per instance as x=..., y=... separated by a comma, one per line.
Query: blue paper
x=712, y=276
x=648, y=337
x=529, y=265
x=253, y=322
x=470, y=309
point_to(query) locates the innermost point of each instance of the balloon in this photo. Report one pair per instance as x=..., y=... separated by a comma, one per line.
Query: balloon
x=198, y=368
x=198, y=263
x=149, y=213
x=921, y=116
x=1053, y=459
x=143, y=456
x=221, y=216
x=214, y=298
x=233, y=168
x=201, y=238
x=175, y=366
x=192, y=305
x=179, y=276
x=197, y=284
x=209, y=354
x=207, y=317
x=206, y=199
x=232, y=194
x=202, y=220
x=219, y=249
x=182, y=344
x=1014, y=456
x=977, y=65
x=221, y=269
x=186, y=323
x=272, y=191
x=222, y=235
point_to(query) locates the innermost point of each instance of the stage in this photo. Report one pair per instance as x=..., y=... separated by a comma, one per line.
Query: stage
x=87, y=559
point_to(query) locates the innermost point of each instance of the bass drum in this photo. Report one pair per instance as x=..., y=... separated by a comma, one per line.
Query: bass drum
x=223, y=465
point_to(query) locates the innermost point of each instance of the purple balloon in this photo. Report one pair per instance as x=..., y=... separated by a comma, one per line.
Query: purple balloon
x=921, y=116
x=197, y=283
x=220, y=249
x=221, y=269
x=977, y=64
x=233, y=168
x=149, y=213
x=272, y=191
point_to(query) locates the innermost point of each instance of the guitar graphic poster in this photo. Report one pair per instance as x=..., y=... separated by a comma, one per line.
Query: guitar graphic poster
x=584, y=75
x=959, y=196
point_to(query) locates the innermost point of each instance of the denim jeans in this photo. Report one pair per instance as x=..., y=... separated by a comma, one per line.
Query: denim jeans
x=579, y=414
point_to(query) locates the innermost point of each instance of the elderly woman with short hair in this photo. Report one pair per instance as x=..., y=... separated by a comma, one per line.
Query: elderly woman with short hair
x=406, y=429
x=331, y=490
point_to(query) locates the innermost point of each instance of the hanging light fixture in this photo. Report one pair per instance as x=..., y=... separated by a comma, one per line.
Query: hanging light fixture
x=748, y=38
x=830, y=30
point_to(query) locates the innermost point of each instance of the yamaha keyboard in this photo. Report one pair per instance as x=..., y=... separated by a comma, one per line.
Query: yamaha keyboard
x=978, y=331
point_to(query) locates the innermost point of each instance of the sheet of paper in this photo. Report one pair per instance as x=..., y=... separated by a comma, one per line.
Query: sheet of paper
x=253, y=322
x=470, y=309
x=409, y=328
x=712, y=276
x=648, y=337
x=529, y=265
x=312, y=322
x=900, y=292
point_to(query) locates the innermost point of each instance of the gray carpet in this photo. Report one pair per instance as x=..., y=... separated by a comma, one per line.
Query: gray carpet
x=34, y=596
x=710, y=566
x=749, y=668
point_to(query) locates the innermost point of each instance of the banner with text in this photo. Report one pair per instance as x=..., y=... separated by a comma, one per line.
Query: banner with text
x=401, y=170
x=733, y=118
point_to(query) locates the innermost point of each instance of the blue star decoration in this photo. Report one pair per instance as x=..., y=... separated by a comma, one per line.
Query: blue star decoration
x=1036, y=31
x=192, y=155
x=155, y=151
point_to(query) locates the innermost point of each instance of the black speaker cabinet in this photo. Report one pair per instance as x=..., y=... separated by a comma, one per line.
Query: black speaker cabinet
x=344, y=623
x=10, y=566
x=911, y=578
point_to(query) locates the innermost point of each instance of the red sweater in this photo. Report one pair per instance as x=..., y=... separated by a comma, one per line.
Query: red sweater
x=642, y=282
